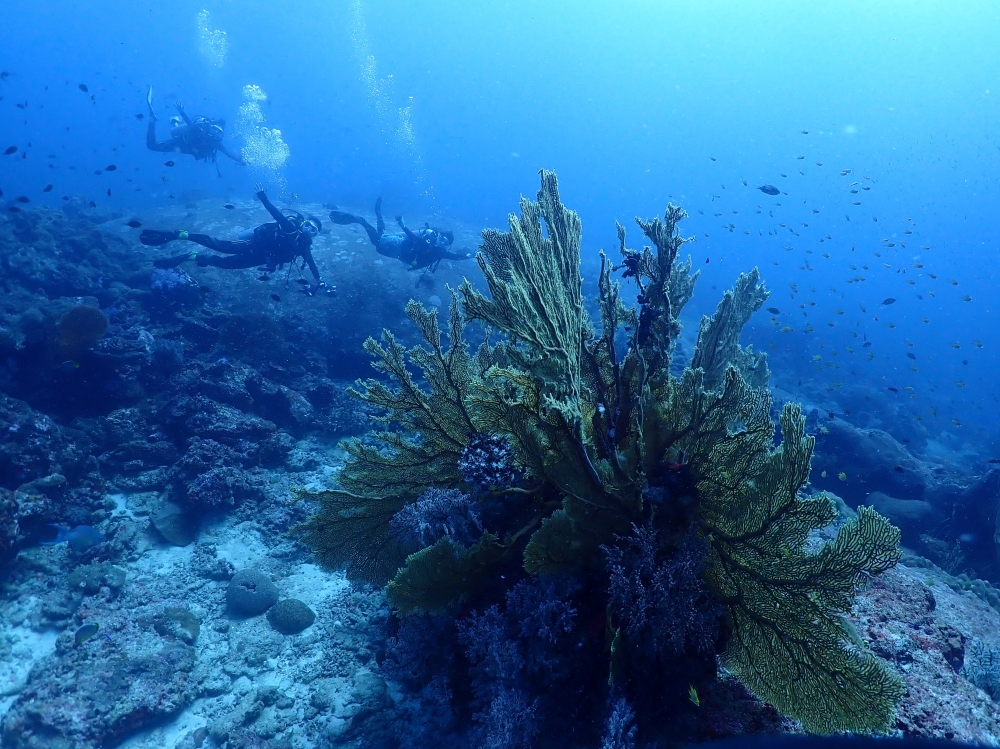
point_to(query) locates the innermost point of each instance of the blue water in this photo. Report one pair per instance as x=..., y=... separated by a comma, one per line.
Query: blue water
x=450, y=108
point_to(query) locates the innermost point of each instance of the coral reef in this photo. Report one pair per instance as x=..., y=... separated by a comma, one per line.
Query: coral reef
x=130, y=439
x=154, y=421
x=604, y=439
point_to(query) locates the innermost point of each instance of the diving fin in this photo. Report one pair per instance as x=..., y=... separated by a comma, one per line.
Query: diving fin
x=339, y=217
x=149, y=102
x=171, y=262
x=154, y=238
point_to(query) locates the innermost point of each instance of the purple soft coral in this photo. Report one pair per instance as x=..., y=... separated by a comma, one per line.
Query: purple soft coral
x=436, y=514
x=663, y=604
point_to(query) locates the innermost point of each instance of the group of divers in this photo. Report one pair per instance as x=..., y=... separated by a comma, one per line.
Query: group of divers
x=290, y=235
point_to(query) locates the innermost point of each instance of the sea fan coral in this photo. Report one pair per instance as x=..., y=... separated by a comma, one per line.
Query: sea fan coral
x=674, y=472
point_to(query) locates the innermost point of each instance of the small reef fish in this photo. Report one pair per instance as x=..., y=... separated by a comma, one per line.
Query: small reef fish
x=168, y=163
x=229, y=206
x=110, y=168
x=774, y=310
x=889, y=300
x=47, y=188
x=85, y=632
x=10, y=150
x=769, y=190
x=693, y=695
x=79, y=539
x=134, y=224
x=83, y=87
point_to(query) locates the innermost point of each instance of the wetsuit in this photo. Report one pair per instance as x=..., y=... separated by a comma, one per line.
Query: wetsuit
x=270, y=245
x=420, y=249
x=200, y=138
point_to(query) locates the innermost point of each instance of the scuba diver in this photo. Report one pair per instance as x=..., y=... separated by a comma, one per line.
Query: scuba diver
x=424, y=248
x=200, y=137
x=270, y=245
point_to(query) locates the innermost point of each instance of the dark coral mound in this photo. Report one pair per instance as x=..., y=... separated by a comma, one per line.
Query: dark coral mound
x=115, y=376
x=639, y=525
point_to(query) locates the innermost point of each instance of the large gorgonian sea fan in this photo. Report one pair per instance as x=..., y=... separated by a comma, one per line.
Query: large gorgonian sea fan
x=597, y=434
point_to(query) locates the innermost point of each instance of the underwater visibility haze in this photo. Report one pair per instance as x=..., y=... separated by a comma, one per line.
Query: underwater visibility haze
x=330, y=416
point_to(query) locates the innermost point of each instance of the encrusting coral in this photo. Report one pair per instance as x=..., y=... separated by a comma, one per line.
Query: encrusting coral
x=611, y=453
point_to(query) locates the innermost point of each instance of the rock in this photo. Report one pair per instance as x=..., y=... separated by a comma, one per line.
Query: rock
x=290, y=616
x=280, y=404
x=33, y=446
x=919, y=619
x=369, y=690
x=63, y=255
x=952, y=645
x=90, y=578
x=205, y=562
x=201, y=336
x=203, y=417
x=9, y=529
x=974, y=525
x=870, y=459
x=219, y=487
x=101, y=692
x=124, y=425
x=250, y=593
x=912, y=516
x=78, y=208
x=175, y=524
x=178, y=623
